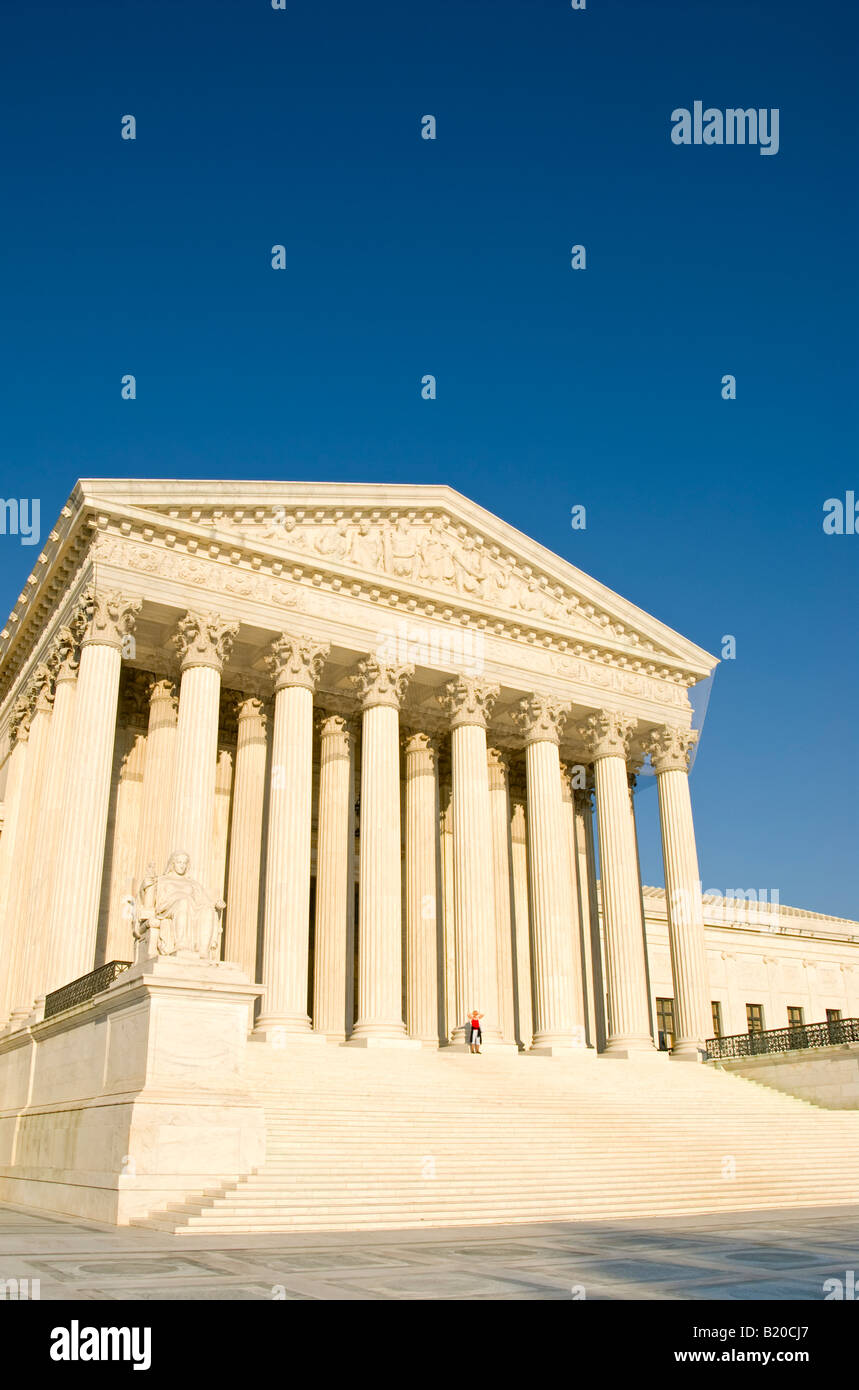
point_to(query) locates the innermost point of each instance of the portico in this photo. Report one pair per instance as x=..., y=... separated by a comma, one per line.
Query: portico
x=389, y=730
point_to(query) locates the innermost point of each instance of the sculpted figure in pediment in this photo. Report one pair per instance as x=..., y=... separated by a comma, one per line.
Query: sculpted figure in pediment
x=467, y=564
x=333, y=541
x=284, y=529
x=365, y=548
x=401, y=549
x=436, y=559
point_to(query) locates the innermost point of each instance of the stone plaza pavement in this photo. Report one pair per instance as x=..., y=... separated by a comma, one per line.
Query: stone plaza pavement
x=760, y=1255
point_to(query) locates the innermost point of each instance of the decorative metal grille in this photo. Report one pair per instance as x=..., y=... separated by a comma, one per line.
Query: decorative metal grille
x=837, y=1030
x=80, y=990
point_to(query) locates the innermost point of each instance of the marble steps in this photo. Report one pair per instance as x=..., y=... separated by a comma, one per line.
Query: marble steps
x=470, y=1211
x=348, y=1135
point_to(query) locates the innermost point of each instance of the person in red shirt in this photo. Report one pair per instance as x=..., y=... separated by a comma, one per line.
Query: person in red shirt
x=475, y=1032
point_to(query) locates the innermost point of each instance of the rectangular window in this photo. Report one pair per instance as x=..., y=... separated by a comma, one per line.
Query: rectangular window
x=665, y=1024
x=833, y=1015
x=755, y=1018
x=794, y=1016
x=717, y=1018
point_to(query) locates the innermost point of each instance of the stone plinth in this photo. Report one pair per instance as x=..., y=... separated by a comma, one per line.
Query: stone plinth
x=134, y=1099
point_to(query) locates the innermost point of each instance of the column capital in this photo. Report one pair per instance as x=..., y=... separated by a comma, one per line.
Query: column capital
x=468, y=700
x=607, y=733
x=670, y=748
x=583, y=800
x=251, y=707
x=162, y=688
x=540, y=718
x=336, y=731
x=499, y=769
x=296, y=659
x=66, y=649
x=42, y=687
x=22, y=715
x=377, y=683
x=109, y=617
x=420, y=743
x=204, y=639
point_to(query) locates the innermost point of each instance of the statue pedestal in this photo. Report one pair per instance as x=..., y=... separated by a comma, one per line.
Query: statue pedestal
x=134, y=1099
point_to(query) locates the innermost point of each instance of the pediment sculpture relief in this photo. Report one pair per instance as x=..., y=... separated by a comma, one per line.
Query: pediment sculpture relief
x=432, y=553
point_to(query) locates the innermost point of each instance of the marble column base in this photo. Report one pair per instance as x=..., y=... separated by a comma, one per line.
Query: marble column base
x=688, y=1052
x=283, y=1033
x=632, y=1048
x=580, y=1054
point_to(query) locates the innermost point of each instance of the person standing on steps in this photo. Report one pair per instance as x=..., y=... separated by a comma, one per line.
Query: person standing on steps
x=475, y=1032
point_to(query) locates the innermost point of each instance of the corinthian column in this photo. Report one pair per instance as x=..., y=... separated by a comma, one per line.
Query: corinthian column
x=86, y=794
x=204, y=642
x=521, y=916
x=19, y=730
x=242, y=926
x=296, y=663
x=499, y=810
x=22, y=924
x=669, y=750
x=159, y=770
x=586, y=880
x=59, y=755
x=607, y=734
x=334, y=941
x=469, y=702
x=422, y=889
x=570, y=887
x=558, y=1021
x=380, y=998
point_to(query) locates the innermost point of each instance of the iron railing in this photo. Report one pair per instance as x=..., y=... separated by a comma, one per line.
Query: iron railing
x=837, y=1030
x=80, y=990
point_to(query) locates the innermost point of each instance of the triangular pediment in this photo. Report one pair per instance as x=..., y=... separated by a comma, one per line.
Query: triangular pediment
x=426, y=547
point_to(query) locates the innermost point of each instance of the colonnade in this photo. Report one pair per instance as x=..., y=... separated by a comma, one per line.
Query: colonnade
x=476, y=884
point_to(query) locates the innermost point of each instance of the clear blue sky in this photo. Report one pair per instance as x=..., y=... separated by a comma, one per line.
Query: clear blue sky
x=451, y=257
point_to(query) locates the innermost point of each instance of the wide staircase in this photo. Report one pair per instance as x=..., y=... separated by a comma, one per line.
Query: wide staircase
x=381, y=1139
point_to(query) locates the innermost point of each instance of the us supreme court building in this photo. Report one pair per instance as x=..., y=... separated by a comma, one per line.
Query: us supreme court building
x=389, y=731
x=374, y=752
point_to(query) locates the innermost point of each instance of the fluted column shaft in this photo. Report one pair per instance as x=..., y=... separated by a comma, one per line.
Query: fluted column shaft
x=334, y=942
x=626, y=974
x=449, y=905
x=23, y=925
x=380, y=983
x=86, y=795
x=569, y=887
x=499, y=810
x=558, y=1023
x=159, y=772
x=196, y=754
x=296, y=663
x=11, y=825
x=521, y=929
x=589, y=913
x=669, y=750
x=469, y=702
x=422, y=888
x=60, y=753
x=243, y=882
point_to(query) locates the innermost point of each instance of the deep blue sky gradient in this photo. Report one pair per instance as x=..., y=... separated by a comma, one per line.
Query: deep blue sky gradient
x=451, y=257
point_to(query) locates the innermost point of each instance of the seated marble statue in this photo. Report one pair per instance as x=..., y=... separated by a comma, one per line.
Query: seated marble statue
x=188, y=921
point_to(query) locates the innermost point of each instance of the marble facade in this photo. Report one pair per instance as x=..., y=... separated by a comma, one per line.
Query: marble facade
x=388, y=730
